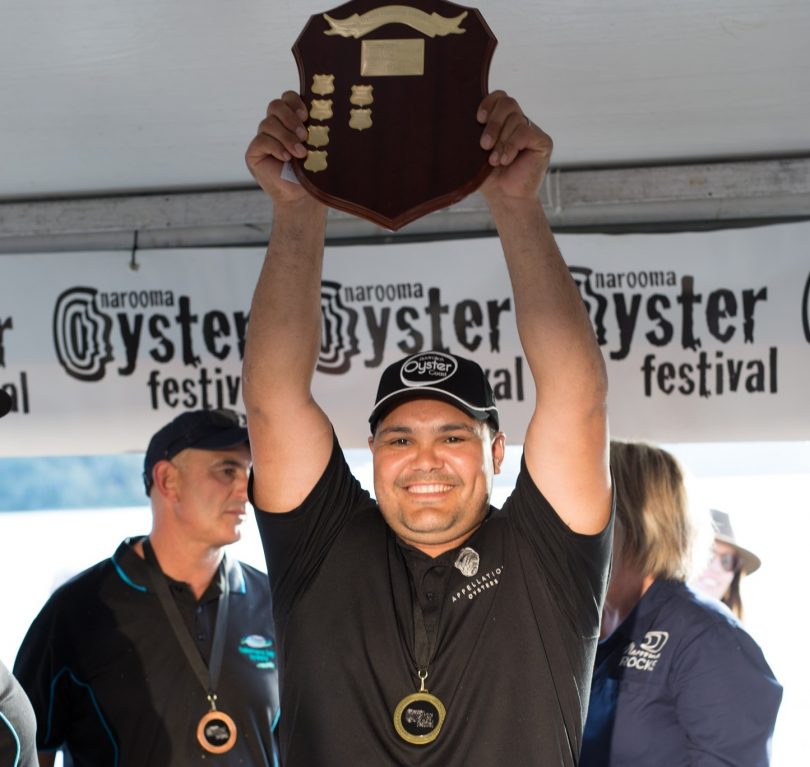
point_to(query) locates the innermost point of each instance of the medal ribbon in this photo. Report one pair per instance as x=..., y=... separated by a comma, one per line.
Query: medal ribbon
x=424, y=647
x=208, y=676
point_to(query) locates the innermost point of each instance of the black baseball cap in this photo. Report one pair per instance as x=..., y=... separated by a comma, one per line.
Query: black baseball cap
x=6, y=403
x=200, y=429
x=436, y=375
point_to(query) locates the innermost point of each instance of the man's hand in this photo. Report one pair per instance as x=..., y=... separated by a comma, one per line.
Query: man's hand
x=519, y=150
x=279, y=138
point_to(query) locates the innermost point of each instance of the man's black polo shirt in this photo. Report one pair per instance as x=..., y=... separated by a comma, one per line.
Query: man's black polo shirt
x=515, y=640
x=108, y=678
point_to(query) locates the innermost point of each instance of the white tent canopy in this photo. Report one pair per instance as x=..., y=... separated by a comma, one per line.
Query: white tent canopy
x=102, y=98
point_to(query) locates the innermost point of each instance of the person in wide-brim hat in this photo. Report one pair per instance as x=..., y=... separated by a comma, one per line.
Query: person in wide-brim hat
x=728, y=564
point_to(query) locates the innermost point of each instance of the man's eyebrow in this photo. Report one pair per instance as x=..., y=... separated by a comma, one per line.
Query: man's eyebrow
x=228, y=461
x=442, y=429
x=457, y=427
x=395, y=428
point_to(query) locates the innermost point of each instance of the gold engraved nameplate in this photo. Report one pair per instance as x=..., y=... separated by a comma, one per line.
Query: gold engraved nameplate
x=384, y=58
x=399, y=85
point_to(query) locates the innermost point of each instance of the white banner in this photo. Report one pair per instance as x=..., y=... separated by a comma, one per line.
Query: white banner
x=706, y=335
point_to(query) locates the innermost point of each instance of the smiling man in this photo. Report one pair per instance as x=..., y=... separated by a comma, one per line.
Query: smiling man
x=164, y=653
x=426, y=627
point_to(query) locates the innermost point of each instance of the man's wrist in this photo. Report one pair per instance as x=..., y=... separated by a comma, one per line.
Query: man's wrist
x=306, y=205
x=503, y=206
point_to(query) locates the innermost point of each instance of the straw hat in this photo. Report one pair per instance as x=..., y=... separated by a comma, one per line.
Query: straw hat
x=723, y=531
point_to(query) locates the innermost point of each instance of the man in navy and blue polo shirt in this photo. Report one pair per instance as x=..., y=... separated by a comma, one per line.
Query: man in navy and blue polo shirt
x=426, y=627
x=164, y=654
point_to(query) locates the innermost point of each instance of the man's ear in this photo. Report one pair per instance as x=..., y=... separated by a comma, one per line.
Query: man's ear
x=498, y=451
x=165, y=476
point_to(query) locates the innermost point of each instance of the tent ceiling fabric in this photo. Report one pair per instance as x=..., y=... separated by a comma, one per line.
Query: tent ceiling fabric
x=112, y=96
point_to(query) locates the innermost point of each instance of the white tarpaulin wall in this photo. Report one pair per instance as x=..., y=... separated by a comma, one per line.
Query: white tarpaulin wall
x=706, y=335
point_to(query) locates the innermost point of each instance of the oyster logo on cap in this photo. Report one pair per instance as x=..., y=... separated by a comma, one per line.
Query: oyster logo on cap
x=427, y=368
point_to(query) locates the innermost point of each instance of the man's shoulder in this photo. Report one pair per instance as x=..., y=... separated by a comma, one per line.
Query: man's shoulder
x=255, y=579
x=88, y=582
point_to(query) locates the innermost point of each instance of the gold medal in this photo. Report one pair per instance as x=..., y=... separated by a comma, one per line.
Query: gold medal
x=216, y=732
x=419, y=717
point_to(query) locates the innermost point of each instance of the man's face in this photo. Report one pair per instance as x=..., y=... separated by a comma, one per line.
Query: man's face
x=211, y=493
x=433, y=469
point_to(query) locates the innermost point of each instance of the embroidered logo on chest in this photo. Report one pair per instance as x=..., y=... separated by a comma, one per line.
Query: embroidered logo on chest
x=467, y=562
x=259, y=650
x=646, y=654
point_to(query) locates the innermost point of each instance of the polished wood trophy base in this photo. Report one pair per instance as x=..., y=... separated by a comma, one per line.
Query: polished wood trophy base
x=392, y=93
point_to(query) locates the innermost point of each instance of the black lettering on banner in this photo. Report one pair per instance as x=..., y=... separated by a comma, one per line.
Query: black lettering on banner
x=406, y=315
x=131, y=336
x=164, y=352
x=215, y=326
x=664, y=326
x=595, y=303
x=81, y=334
x=186, y=319
x=468, y=315
x=435, y=309
x=806, y=310
x=6, y=324
x=712, y=377
x=204, y=389
x=688, y=298
x=338, y=336
x=627, y=323
x=377, y=331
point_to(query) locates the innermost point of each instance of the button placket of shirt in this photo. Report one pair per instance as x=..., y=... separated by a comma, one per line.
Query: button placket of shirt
x=430, y=591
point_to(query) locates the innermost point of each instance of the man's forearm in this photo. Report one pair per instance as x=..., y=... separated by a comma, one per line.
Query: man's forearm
x=284, y=332
x=554, y=328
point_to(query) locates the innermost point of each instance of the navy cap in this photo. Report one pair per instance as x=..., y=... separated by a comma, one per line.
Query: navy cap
x=200, y=429
x=436, y=375
x=6, y=403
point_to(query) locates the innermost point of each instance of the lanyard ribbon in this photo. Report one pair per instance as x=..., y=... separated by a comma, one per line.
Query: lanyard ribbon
x=208, y=676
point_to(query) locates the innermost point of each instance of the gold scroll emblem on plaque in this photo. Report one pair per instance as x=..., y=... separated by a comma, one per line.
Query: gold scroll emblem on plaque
x=323, y=85
x=318, y=135
x=362, y=95
x=321, y=109
x=430, y=24
x=316, y=160
x=360, y=119
x=381, y=58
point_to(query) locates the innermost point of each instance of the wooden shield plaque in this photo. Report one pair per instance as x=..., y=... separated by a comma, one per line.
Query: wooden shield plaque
x=392, y=93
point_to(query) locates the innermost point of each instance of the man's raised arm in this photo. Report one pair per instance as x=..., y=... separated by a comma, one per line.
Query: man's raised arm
x=290, y=436
x=566, y=445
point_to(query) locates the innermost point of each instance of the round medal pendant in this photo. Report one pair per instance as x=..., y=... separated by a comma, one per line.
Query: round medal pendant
x=419, y=717
x=216, y=732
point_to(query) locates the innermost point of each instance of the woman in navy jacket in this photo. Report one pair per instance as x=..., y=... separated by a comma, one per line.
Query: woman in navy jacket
x=677, y=681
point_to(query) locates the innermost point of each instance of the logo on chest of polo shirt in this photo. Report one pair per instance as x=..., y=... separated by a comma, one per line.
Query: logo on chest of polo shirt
x=477, y=585
x=646, y=654
x=467, y=561
x=259, y=650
